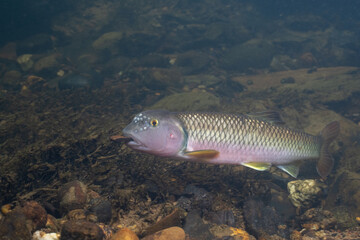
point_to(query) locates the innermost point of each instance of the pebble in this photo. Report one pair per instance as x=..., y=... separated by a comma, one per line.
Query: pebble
x=40, y=235
x=222, y=217
x=263, y=220
x=6, y=208
x=102, y=209
x=25, y=61
x=72, y=196
x=14, y=226
x=124, y=234
x=79, y=230
x=48, y=63
x=306, y=193
x=195, y=226
x=173, y=219
x=173, y=233
x=201, y=197
x=36, y=213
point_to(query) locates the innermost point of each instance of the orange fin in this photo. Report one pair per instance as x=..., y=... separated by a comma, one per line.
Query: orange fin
x=203, y=154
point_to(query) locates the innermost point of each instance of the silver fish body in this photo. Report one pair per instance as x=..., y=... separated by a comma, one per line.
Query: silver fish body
x=250, y=140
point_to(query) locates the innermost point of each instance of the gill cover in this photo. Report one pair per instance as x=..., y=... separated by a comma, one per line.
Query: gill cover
x=157, y=132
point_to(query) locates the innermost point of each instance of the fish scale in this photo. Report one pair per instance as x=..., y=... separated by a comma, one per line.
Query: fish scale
x=256, y=140
x=233, y=133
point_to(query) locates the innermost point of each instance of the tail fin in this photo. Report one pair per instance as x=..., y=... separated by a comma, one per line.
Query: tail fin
x=326, y=162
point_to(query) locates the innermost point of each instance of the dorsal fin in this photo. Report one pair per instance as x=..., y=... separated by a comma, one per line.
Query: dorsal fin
x=268, y=116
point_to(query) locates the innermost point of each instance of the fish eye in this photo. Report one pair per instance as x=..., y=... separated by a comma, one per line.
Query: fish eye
x=154, y=122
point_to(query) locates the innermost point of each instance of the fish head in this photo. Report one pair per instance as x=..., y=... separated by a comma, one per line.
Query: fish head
x=157, y=132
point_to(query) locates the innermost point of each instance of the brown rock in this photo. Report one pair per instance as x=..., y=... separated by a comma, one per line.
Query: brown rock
x=14, y=226
x=8, y=51
x=124, y=234
x=173, y=219
x=72, y=196
x=173, y=233
x=47, y=63
x=11, y=80
x=36, y=213
x=79, y=230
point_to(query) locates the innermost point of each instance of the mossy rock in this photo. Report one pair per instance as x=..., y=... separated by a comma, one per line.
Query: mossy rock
x=255, y=53
x=107, y=40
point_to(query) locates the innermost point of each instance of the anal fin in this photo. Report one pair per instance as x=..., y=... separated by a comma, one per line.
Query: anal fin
x=258, y=165
x=292, y=168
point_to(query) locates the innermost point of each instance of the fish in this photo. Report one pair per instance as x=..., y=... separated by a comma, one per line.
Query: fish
x=257, y=140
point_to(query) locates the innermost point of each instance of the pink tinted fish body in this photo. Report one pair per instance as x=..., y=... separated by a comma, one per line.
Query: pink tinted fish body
x=220, y=138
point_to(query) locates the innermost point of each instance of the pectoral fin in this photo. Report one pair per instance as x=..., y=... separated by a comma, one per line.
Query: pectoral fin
x=203, y=154
x=292, y=169
x=258, y=165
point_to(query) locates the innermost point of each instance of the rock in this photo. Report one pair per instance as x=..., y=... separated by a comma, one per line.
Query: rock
x=282, y=204
x=35, y=44
x=196, y=228
x=226, y=232
x=184, y=203
x=108, y=41
x=116, y=65
x=76, y=214
x=283, y=63
x=316, y=218
x=193, y=101
x=47, y=64
x=263, y=221
x=36, y=213
x=222, y=217
x=72, y=196
x=6, y=208
x=139, y=44
x=349, y=234
x=79, y=230
x=201, y=79
x=192, y=62
x=11, y=80
x=173, y=233
x=124, y=234
x=306, y=193
x=200, y=197
x=326, y=85
x=345, y=190
x=173, y=219
x=102, y=209
x=345, y=216
x=14, y=226
x=26, y=62
x=40, y=235
x=89, y=80
x=161, y=78
x=8, y=51
x=153, y=60
x=255, y=53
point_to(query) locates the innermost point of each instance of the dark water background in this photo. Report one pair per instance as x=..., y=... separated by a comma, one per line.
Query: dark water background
x=91, y=65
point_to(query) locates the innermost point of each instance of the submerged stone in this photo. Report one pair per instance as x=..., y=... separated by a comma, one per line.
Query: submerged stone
x=79, y=230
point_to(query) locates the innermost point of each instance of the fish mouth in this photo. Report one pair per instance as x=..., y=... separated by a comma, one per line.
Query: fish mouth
x=134, y=143
x=120, y=138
